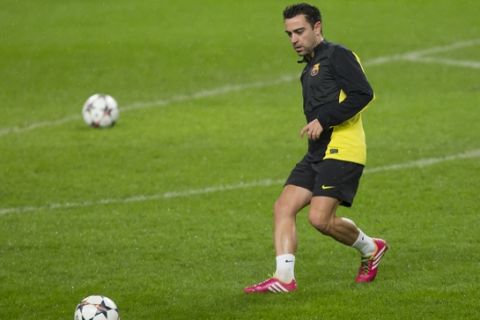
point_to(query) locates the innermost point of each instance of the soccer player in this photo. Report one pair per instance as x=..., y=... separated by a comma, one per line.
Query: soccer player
x=335, y=91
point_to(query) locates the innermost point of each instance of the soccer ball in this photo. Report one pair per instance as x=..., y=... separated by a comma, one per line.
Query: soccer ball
x=100, y=111
x=96, y=308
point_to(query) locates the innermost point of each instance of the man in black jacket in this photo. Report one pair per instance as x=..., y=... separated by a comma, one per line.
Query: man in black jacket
x=335, y=91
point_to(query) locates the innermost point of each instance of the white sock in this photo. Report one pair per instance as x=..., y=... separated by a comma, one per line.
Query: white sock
x=364, y=244
x=285, y=266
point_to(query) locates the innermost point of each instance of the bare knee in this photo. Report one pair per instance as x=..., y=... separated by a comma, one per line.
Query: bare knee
x=283, y=208
x=291, y=200
x=322, y=221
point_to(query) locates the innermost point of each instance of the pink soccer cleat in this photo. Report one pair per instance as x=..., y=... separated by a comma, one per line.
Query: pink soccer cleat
x=369, y=265
x=272, y=285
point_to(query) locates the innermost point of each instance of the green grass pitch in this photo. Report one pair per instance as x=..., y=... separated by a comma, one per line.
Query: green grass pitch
x=169, y=212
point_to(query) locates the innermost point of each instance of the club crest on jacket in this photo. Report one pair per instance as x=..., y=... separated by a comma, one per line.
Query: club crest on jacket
x=315, y=70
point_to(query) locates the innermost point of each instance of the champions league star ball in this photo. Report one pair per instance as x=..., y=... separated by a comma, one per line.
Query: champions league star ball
x=96, y=308
x=100, y=111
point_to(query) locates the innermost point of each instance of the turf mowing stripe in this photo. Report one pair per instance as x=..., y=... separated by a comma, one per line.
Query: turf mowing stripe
x=409, y=56
x=228, y=187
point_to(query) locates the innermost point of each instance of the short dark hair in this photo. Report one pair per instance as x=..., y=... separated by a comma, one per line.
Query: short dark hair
x=311, y=13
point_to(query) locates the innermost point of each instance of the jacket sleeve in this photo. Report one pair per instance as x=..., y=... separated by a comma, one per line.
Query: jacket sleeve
x=352, y=80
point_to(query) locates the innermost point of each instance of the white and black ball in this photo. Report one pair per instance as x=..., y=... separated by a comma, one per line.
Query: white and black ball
x=96, y=307
x=100, y=111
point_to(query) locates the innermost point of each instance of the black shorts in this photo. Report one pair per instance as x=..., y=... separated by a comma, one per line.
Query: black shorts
x=331, y=178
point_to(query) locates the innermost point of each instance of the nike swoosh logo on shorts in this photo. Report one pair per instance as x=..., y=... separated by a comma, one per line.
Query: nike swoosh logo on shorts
x=324, y=187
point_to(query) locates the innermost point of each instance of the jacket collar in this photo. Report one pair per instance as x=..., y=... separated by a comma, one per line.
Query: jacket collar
x=316, y=52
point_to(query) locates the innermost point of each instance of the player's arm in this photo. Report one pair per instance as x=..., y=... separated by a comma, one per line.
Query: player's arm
x=352, y=80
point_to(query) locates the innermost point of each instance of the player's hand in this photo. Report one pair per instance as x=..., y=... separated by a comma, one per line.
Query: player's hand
x=313, y=130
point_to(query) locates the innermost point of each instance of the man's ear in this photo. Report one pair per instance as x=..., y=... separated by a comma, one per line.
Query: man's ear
x=317, y=28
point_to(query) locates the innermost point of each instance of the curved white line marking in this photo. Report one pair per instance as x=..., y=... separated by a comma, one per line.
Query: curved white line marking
x=229, y=187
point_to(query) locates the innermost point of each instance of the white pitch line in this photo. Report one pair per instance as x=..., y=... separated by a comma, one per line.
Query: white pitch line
x=450, y=62
x=144, y=198
x=210, y=93
x=421, y=163
x=412, y=55
x=38, y=125
x=158, y=103
x=425, y=162
x=408, y=56
x=442, y=49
